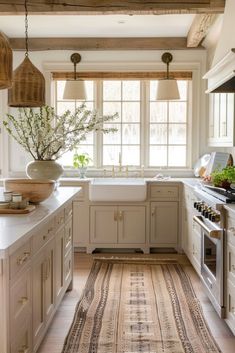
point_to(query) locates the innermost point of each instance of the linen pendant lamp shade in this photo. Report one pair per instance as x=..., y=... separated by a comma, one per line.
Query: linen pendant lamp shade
x=28, y=86
x=75, y=89
x=167, y=88
x=5, y=62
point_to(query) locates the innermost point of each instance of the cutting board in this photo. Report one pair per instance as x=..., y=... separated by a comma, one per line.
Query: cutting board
x=28, y=209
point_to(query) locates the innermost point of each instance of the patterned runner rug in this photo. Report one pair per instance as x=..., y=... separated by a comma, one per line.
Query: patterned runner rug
x=131, y=306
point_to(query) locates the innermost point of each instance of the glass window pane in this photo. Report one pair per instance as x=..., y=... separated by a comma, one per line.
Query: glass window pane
x=131, y=155
x=89, y=139
x=131, y=112
x=153, y=90
x=111, y=154
x=177, y=134
x=183, y=88
x=60, y=89
x=89, y=85
x=110, y=108
x=158, y=134
x=112, y=138
x=63, y=106
x=177, y=156
x=158, y=156
x=89, y=105
x=130, y=90
x=130, y=134
x=158, y=112
x=177, y=112
x=112, y=90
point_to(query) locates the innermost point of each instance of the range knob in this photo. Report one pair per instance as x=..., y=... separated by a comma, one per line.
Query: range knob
x=215, y=217
x=200, y=206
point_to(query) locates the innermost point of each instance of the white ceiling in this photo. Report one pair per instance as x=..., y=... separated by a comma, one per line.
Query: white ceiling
x=98, y=25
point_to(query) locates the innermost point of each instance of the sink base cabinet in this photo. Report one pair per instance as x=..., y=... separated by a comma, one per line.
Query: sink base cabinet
x=117, y=226
x=33, y=281
x=164, y=224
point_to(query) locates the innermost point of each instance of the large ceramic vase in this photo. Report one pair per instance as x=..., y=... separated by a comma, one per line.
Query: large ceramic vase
x=44, y=170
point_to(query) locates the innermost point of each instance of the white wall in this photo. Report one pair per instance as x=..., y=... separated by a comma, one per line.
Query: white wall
x=48, y=61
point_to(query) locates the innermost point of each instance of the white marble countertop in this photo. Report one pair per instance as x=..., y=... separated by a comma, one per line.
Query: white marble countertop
x=188, y=181
x=18, y=228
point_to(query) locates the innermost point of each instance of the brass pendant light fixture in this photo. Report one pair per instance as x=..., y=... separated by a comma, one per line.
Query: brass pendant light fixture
x=28, y=87
x=167, y=88
x=75, y=89
x=5, y=62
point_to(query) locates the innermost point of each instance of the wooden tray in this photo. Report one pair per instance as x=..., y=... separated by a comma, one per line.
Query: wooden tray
x=28, y=209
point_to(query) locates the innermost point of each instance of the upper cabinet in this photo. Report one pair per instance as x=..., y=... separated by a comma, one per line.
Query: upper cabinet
x=221, y=119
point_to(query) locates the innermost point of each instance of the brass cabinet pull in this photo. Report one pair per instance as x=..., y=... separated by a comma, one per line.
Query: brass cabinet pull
x=23, y=258
x=23, y=349
x=115, y=216
x=120, y=216
x=233, y=267
x=153, y=211
x=23, y=300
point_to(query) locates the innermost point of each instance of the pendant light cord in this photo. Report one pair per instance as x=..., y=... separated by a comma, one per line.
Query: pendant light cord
x=26, y=29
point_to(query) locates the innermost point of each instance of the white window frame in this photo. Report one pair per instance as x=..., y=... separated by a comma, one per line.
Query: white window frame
x=144, y=127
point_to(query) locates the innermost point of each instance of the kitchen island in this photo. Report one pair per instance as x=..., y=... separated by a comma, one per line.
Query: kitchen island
x=36, y=266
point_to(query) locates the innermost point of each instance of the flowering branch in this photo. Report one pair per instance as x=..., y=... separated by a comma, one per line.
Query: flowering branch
x=47, y=136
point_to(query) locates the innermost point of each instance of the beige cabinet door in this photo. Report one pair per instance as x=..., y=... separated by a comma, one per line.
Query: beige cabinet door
x=103, y=224
x=49, y=301
x=59, y=264
x=80, y=223
x=43, y=290
x=164, y=223
x=38, y=301
x=131, y=225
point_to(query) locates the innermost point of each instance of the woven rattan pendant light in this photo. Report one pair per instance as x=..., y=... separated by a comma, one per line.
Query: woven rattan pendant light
x=5, y=62
x=28, y=86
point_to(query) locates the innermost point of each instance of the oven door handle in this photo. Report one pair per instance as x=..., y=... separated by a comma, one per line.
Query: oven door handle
x=213, y=233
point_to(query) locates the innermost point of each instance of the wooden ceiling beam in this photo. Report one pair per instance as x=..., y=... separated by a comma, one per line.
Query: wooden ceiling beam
x=199, y=29
x=129, y=7
x=39, y=44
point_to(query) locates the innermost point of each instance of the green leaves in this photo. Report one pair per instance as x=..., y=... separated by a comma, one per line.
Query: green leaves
x=47, y=136
x=225, y=175
x=81, y=160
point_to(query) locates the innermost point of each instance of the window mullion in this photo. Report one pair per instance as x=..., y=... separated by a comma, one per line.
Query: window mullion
x=98, y=136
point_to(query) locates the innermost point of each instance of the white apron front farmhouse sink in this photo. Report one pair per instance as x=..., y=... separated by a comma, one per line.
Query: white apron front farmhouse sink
x=117, y=189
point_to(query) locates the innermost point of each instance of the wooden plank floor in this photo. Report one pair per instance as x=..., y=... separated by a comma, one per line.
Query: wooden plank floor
x=53, y=342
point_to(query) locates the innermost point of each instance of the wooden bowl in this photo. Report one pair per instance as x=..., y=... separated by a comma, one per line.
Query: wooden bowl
x=36, y=190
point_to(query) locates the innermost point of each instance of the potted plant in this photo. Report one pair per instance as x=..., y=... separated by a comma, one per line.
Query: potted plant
x=47, y=136
x=81, y=162
x=224, y=178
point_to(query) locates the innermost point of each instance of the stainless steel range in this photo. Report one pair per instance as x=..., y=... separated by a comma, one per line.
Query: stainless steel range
x=209, y=215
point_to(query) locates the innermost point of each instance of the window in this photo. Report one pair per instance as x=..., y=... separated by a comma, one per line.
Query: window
x=124, y=146
x=150, y=133
x=168, y=129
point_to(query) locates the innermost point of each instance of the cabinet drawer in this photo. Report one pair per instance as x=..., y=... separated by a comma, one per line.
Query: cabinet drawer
x=42, y=236
x=22, y=338
x=20, y=258
x=20, y=301
x=163, y=192
x=231, y=262
x=59, y=219
x=68, y=269
x=68, y=237
x=68, y=211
